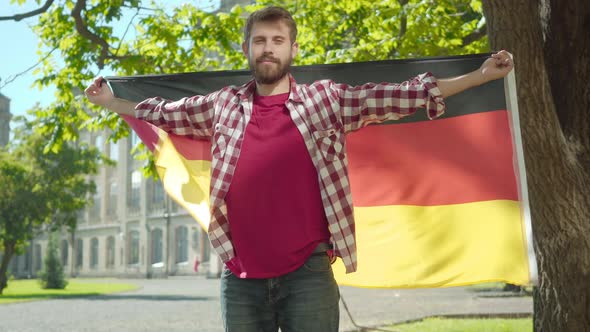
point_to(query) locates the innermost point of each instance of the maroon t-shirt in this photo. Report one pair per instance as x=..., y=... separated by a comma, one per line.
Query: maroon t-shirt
x=275, y=210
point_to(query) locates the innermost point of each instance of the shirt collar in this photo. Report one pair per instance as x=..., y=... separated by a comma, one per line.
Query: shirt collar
x=247, y=90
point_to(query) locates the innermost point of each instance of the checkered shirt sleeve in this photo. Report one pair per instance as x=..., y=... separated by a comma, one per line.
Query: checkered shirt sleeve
x=189, y=116
x=371, y=102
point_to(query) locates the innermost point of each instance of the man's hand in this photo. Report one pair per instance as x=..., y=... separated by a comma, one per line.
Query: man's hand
x=99, y=93
x=497, y=66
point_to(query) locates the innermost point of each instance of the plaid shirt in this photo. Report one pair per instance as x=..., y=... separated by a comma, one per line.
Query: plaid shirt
x=323, y=112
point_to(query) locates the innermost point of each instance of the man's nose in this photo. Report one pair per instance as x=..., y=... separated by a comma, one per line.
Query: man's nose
x=268, y=48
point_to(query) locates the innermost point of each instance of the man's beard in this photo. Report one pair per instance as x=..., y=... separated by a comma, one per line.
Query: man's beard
x=269, y=74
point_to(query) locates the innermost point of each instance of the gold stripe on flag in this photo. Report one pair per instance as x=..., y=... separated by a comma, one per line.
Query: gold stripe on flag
x=405, y=246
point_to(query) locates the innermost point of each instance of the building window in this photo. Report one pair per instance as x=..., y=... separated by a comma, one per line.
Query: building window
x=95, y=208
x=79, y=253
x=133, y=245
x=27, y=259
x=99, y=143
x=134, y=141
x=133, y=192
x=94, y=252
x=64, y=252
x=156, y=196
x=181, y=244
x=114, y=150
x=112, y=205
x=157, y=246
x=110, y=256
x=38, y=257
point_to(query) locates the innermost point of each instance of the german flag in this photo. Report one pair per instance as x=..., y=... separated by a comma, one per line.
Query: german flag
x=437, y=202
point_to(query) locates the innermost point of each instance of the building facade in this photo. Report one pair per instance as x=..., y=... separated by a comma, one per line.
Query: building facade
x=132, y=229
x=5, y=117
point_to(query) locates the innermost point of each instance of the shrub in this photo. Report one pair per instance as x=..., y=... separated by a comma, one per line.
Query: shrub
x=52, y=276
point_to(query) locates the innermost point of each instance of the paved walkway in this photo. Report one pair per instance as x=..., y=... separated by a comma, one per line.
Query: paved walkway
x=192, y=304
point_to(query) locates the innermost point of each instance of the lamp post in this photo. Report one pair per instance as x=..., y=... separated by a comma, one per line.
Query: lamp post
x=167, y=218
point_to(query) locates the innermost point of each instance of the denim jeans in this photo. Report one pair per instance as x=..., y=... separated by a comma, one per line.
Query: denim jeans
x=305, y=300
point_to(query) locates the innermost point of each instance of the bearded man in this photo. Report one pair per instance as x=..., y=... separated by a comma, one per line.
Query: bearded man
x=281, y=207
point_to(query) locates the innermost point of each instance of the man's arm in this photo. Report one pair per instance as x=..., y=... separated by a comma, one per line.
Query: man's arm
x=99, y=93
x=497, y=66
x=369, y=103
x=189, y=116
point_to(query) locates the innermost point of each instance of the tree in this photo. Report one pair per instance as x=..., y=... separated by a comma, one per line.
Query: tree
x=52, y=276
x=127, y=38
x=19, y=212
x=41, y=191
x=550, y=42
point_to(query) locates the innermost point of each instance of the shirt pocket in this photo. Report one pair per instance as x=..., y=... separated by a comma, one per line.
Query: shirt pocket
x=330, y=142
x=221, y=138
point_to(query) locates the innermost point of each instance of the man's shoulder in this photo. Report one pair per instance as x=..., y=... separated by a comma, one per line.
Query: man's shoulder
x=315, y=86
x=316, y=83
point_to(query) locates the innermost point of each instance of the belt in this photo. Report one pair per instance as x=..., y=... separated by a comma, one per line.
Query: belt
x=321, y=249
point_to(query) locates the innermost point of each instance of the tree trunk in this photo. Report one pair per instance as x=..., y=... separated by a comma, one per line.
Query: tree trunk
x=553, y=100
x=8, y=253
x=567, y=50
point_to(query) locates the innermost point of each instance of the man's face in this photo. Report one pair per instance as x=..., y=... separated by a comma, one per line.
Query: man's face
x=269, y=51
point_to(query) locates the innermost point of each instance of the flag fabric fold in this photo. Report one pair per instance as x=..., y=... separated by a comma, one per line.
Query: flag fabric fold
x=437, y=202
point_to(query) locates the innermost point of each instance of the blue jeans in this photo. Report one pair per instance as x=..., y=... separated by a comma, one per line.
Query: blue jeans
x=305, y=300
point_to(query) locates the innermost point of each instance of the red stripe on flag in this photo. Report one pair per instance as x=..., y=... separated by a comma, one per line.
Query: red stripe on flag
x=190, y=149
x=447, y=161
x=146, y=132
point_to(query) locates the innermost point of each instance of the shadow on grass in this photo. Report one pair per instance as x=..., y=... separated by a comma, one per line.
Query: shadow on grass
x=500, y=290
x=102, y=297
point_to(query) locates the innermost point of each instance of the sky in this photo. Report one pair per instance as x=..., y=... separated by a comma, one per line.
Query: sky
x=22, y=55
x=17, y=58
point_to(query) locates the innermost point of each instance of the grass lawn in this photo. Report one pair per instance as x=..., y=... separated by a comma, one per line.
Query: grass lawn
x=30, y=290
x=466, y=325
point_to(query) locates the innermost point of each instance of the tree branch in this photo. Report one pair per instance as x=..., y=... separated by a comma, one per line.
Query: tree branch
x=81, y=28
x=32, y=13
x=477, y=34
x=11, y=79
x=404, y=19
x=403, y=26
x=84, y=32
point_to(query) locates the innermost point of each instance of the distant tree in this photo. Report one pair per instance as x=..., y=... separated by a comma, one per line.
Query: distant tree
x=20, y=211
x=52, y=276
x=41, y=190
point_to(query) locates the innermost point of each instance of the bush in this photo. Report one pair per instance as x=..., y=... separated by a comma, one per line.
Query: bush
x=52, y=276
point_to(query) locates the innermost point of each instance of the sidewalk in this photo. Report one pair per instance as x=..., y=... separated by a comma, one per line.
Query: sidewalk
x=192, y=304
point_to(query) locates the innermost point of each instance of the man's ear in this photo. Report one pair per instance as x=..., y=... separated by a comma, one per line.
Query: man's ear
x=294, y=50
x=245, y=48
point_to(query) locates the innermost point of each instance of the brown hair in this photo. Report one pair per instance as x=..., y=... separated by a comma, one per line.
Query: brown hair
x=271, y=14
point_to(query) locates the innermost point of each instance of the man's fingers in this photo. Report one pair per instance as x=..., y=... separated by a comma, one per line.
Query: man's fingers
x=98, y=81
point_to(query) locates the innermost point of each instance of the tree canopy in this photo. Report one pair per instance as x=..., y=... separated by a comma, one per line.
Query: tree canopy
x=82, y=39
